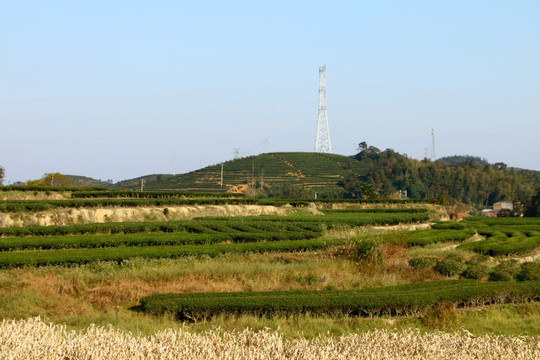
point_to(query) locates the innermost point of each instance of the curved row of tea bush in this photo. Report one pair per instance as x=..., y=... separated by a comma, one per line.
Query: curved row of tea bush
x=430, y=236
x=152, y=194
x=448, y=225
x=520, y=221
x=499, y=243
x=392, y=300
x=118, y=254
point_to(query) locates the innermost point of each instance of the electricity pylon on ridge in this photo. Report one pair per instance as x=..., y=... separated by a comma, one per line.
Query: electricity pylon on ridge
x=322, y=139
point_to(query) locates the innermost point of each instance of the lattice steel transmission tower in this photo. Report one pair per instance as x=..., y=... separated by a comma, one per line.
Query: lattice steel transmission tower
x=322, y=139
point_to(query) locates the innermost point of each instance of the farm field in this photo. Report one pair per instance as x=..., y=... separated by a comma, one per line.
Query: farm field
x=338, y=271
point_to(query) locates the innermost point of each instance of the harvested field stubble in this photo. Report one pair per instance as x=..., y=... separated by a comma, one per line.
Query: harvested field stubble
x=34, y=339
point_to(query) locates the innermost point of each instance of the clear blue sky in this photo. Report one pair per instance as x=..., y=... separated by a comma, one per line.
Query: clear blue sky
x=113, y=89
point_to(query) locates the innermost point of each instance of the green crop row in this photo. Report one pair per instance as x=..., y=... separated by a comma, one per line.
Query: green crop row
x=337, y=219
x=377, y=210
x=190, y=226
x=426, y=237
x=448, y=225
x=101, y=241
x=118, y=254
x=177, y=238
x=498, y=243
x=392, y=300
x=152, y=194
x=523, y=221
x=42, y=205
x=51, y=188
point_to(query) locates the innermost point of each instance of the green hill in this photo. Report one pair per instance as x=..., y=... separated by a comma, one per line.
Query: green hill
x=294, y=174
x=370, y=173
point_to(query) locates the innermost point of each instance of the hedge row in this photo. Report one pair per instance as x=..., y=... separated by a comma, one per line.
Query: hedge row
x=152, y=194
x=178, y=238
x=337, y=219
x=498, y=243
x=521, y=221
x=118, y=254
x=43, y=205
x=448, y=225
x=199, y=226
x=101, y=241
x=51, y=188
x=202, y=224
x=407, y=299
x=378, y=210
x=426, y=237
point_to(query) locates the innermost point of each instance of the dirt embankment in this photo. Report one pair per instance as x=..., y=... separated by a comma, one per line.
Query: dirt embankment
x=99, y=215
x=36, y=195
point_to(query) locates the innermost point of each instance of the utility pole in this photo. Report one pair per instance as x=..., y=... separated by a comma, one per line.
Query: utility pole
x=236, y=153
x=322, y=138
x=253, y=175
x=142, y=184
x=221, y=181
x=266, y=146
x=174, y=161
x=433, y=157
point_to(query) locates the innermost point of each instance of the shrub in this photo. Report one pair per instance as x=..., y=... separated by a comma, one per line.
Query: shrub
x=529, y=271
x=449, y=267
x=422, y=262
x=441, y=316
x=476, y=271
x=505, y=271
x=448, y=225
x=370, y=252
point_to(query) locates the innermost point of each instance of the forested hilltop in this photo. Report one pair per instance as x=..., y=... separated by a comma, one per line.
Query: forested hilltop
x=465, y=178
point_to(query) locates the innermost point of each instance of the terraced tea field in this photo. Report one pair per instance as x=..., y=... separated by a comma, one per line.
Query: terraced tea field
x=328, y=268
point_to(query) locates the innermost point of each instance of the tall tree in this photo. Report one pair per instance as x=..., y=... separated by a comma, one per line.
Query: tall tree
x=52, y=179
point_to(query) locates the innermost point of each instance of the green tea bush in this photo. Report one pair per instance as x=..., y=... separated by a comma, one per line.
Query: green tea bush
x=448, y=225
x=408, y=299
x=121, y=253
x=369, y=251
x=505, y=271
x=529, y=271
x=476, y=271
x=449, y=267
x=426, y=237
x=423, y=262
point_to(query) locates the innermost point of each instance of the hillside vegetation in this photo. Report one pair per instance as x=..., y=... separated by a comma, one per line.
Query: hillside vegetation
x=371, y=173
